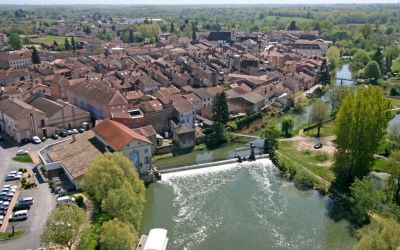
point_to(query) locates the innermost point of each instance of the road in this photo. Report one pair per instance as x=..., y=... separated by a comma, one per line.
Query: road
x=44, y=200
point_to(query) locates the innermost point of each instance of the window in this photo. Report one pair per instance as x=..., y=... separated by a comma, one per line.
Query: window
x=146, y=150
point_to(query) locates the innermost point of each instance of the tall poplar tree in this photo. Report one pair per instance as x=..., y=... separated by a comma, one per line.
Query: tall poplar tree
x=220, y=109
x=361, y=124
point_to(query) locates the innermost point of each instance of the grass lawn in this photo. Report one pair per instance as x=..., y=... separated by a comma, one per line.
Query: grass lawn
x=23, y=158
x=380, y=165
x=9, y=235
x=395, y=102
x=50, y=39
x=326, y=130
x=307, y=159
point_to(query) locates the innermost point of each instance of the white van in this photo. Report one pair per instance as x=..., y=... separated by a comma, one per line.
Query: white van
x=19, y=215
x=65, y=200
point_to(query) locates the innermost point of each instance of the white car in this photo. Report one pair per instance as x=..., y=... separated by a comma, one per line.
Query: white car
x=75, y=131
x=22, y=152
x=36, y=139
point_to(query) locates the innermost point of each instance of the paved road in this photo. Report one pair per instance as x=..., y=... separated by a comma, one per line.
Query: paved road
x=44, y=200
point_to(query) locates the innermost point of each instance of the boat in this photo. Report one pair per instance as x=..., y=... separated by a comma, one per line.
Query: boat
x=156, y=240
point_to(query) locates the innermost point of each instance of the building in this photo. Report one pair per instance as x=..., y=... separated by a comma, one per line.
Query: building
x=116, y=137
x=222, y=37
x=3, y=37
x=60, y=114
x=21, y=121
x=97, y=98
x=184, y=138
x=185, y=113
x=16, y=59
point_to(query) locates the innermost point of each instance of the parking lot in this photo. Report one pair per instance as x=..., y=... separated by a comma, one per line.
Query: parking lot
x=44, y=200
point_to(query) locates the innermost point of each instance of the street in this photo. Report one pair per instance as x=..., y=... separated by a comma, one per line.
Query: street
x=44, y=200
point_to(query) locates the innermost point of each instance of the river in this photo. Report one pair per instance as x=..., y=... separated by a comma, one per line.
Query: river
x=242, y=206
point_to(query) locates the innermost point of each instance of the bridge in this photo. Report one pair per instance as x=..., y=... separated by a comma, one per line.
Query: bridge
x=344, y=79
x=247, y=136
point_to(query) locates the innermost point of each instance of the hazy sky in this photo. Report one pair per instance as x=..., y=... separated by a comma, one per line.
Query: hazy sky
x=192, y=1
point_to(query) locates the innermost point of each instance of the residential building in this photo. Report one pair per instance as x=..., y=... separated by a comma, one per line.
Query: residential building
x=16, y=59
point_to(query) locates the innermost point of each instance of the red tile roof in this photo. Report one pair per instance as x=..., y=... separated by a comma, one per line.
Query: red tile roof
x=116, y=134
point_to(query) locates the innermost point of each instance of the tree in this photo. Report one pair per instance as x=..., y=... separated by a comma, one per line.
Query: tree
x=381, y=233
x=131, y=37
x=172, y=27
x=112, y=171
x=220, y=109
x=394, y=181
x=395, y=66
x=73, y=44
x=378, y=57
x=287, y=125
x=300, y=102
x=15, y=41
x=372, y=71
x=65, y=224
x=336, y=96
x=292, y=25
x=87, y=30
x=365, y=198
x=360, y=60
x=361, y=124
x=35, y=56
x=394, y=137
x=270, y=135
x=116, y=235
x=123, y=204
x=365, y=30
x=194, y=29
x=333, y=55
x=67, y=45
x=324, y=75
x=391, y=53
x=217, y=135
x=319, y=113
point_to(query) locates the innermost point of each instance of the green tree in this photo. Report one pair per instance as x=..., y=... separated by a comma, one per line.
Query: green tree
x=394, y=181
x=35, y=56
x=172, y=27
x=333, y=55
x=365, y=30
x=361, y=124
x=112, y=171
x=395, y=66
x=382, y=233
x=67, y=45
x=116, y=235
x=287, y=125
x=65, y=224
x=131, y=38
x=220, y=109
x=217, y=135
x=73, y=45
x=319, y=113
x=378, y=57
x=270, y=135
x=15, y=41
x=365, y=197
x=360, y=60
x=300, y=102
x=123, y=204
x=292, y=25
x=372, y=71
x=324, y=76
x=391, y=53
x=194, y=34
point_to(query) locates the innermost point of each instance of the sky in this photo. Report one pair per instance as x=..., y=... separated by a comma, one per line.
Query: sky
x=50, y=2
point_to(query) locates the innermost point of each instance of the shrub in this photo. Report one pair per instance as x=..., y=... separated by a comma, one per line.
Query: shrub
x=303, y=180
x=245, y=122
x=79, y=201
x=23, y=181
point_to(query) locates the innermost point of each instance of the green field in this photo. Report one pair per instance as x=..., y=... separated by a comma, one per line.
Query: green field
x=307, y=159
x=395, y=102
x=23, y=158
x=50, y=39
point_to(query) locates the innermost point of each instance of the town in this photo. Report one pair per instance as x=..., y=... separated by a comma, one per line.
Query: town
x=85, y=96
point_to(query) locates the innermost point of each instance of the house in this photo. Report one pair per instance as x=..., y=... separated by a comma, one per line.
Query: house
x=185, y=113
x=3, y=37
x=97, y=98
x=222, y=37
x=150, y=133
x=184, y=138
x=20, y=120
x=195, y=100
x=16, y=59
x=59, y=114
x=116, y=137
x=205, y=97
x=249, y=102
x=133, y=118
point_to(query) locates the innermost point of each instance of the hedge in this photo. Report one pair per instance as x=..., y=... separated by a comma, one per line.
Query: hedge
x=245, y=122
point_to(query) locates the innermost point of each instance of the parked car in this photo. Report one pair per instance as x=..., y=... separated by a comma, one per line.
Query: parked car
x=318, y=146
x=36, y=139
x=65, y=200
x=1, y=138
x=63, y=134
x=81, y=130
x=19, y=215
x=54, y=137
x=4, y=205
x=69, y=132
x=21, y=206
x=15, y=172
x=44, y=138
x=3, y=212
x=28, y=200
x=22, y=152
x=12, y=177
x=75, y=131
x=1, y=219
x=6, y=196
